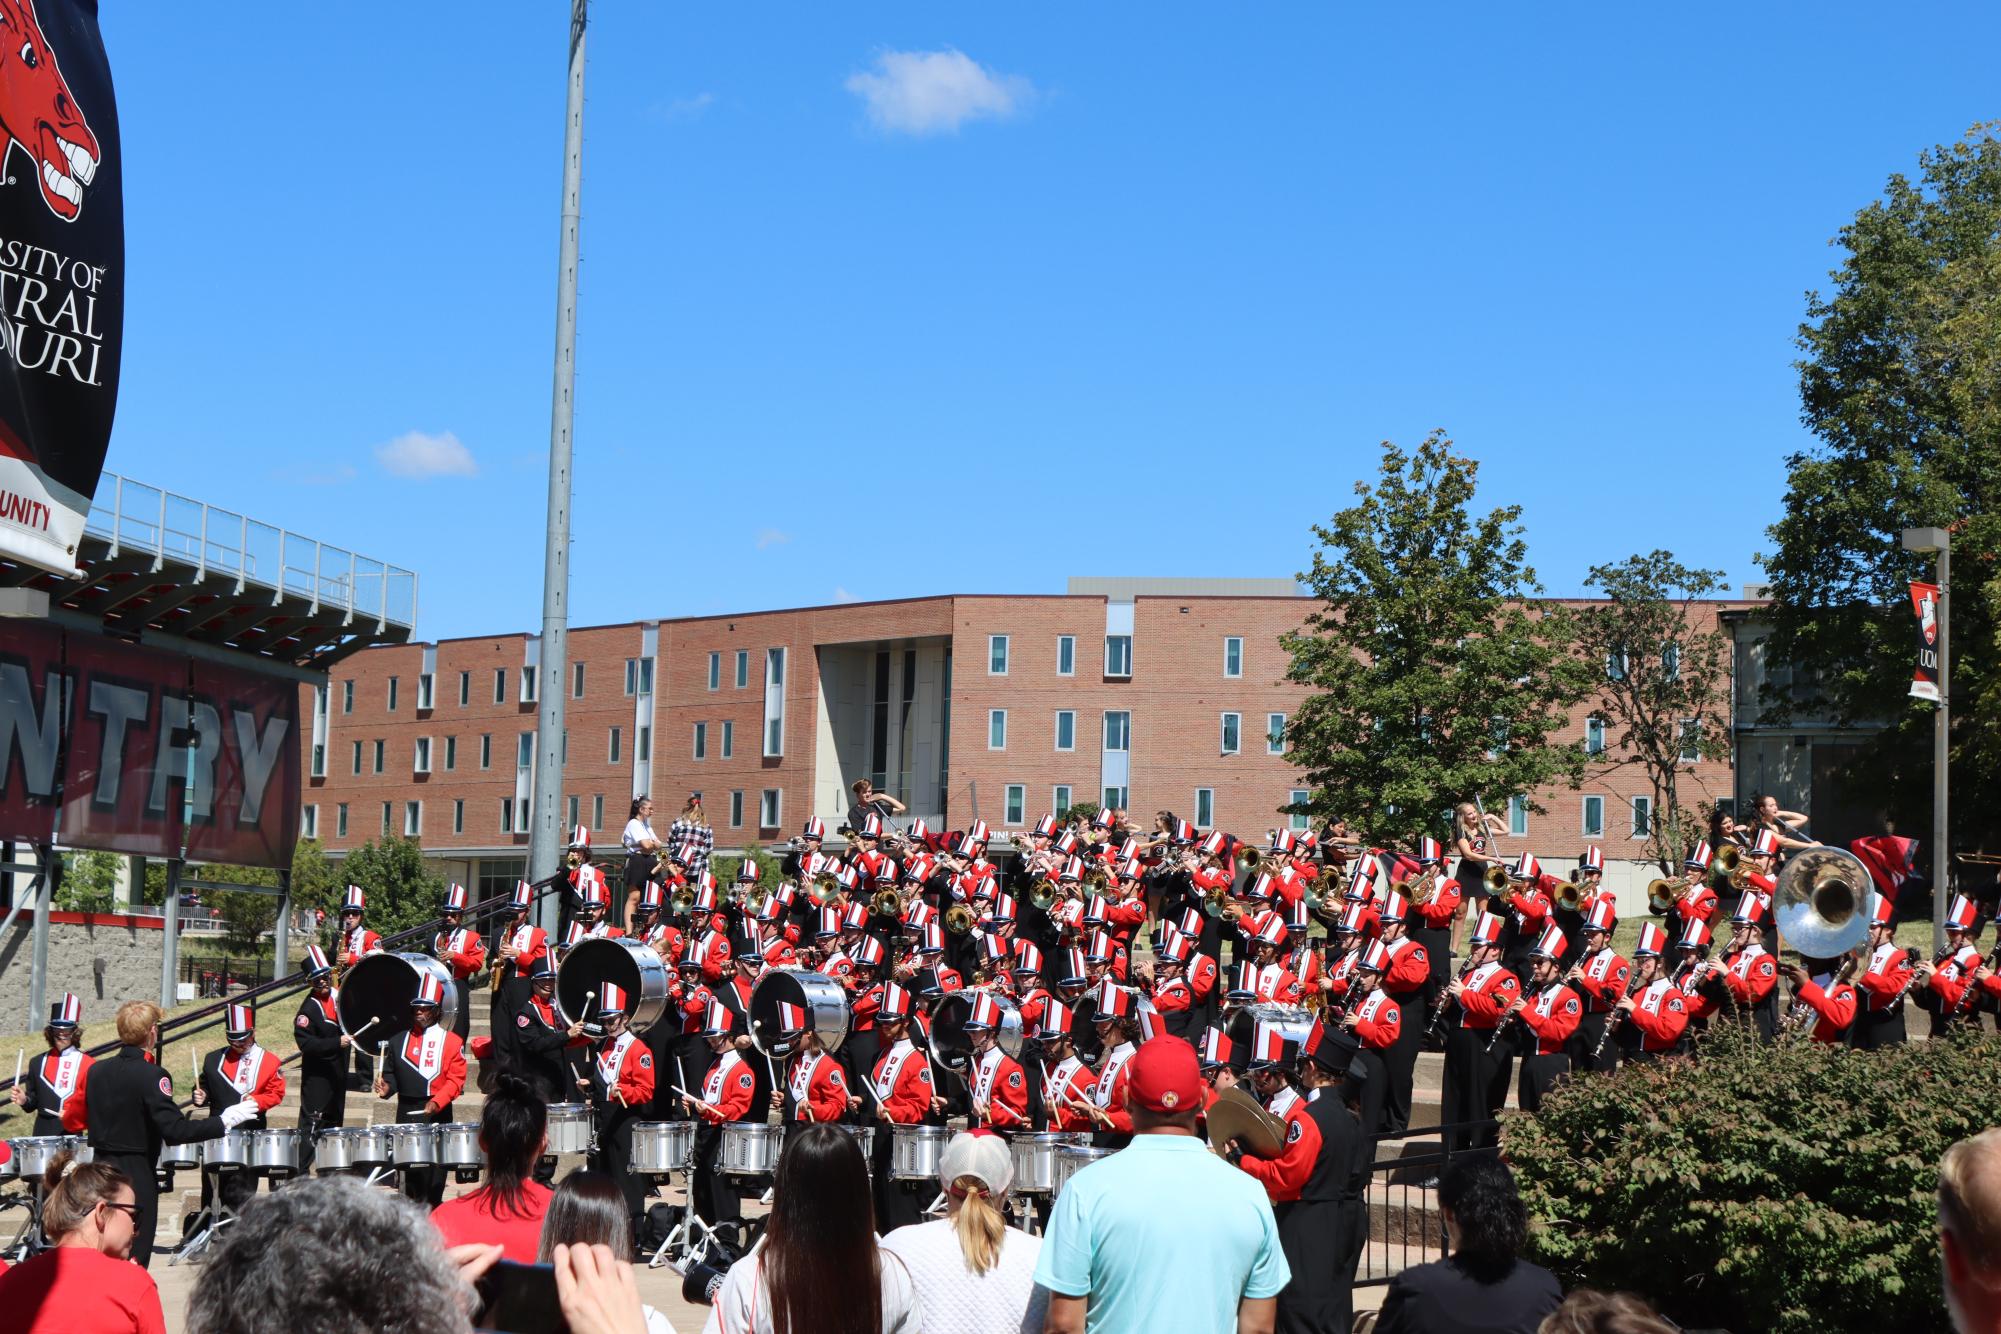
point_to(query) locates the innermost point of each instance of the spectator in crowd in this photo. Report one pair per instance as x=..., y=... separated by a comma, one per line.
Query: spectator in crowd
x=1586, y=1311
x=84, y=1284
x=588, y=1209
x=1483, y=1286
x=1109, y=1258
x=508, y=1209
x=690, y=840
x=817, y=1269
x=1969, y=1232
x=331, y=1256
x=974, y=1273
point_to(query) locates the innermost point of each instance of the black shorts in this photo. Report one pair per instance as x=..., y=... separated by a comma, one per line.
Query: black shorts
x=638, y=869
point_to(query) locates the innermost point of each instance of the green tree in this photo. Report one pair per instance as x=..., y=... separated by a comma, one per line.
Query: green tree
x=316, y=886
x=245, y=914
x=1900, y=379
x=402, y=892
x=89, y=882
x=724, y=868
x=1433, y=674
x=1663, y=683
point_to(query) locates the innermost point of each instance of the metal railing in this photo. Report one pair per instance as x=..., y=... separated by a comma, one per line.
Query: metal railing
x=133, y=516
x=1405, y=1226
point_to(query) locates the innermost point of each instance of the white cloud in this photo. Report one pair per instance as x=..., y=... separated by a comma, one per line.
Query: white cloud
x=935, y=92
x=685, y=108
x=771, y=537
x=418, y=454
x=843, y=595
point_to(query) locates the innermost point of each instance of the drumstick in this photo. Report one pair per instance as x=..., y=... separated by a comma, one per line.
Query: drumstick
x=356, y=1035
x=18, y=1054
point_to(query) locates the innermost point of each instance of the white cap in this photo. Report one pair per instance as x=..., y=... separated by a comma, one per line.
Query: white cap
x=986, y=1158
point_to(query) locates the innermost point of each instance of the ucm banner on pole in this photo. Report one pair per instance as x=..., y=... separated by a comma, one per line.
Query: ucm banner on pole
x=1924, y=604
x=62, y=274
x=99, y=731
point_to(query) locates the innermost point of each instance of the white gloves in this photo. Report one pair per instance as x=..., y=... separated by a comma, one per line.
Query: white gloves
x=236, y=1115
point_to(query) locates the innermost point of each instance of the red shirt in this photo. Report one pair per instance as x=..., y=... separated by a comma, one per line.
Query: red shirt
x=471, y=1218
x=78, y=1290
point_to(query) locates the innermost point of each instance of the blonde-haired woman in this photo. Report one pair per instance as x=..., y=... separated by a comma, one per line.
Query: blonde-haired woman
x=1473, y=842
x=85, y=1281
x=690, y=840
x=974, y=1273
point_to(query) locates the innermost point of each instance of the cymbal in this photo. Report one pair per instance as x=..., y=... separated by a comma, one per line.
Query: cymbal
x=1237, y=1115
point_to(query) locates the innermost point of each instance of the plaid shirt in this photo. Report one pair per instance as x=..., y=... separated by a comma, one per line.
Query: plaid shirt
x=692, y=843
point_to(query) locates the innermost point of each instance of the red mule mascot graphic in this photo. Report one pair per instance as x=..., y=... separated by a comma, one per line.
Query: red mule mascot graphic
x=38, y=114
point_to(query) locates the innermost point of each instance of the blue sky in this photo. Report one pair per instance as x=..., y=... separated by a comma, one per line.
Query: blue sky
x=892, y=299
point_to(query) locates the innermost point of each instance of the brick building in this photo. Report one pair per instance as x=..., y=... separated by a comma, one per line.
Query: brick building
x=1150, y=694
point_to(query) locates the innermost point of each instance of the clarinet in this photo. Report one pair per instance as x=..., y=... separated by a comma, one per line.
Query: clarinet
x=1446, y=1004
x=1959, y=1006
x=1502, y=1027
x=1613, y=1021
x=1911, y=957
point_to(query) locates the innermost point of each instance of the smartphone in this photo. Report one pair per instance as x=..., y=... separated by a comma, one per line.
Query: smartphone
x=520, y=1299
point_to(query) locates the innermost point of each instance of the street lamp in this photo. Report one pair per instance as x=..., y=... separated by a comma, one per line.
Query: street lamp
x=1940, y=541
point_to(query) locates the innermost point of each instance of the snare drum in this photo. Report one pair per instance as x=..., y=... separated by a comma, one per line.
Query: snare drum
x=413, y=1144
x=915, y=1151
x=372, y=1147
x=275, y=1152
x=1072, y=1159
x=750, y=1148
x=10, y=1168
x=335, y=1150
x=34, y=1153
x=569, y=1127
x=458, y=1145
x=660, y=1148
x=227, y=1153
x=1035, y=1160
x=180, y=1157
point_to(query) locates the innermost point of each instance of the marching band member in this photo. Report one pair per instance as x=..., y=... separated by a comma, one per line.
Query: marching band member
x=543, y=1046
x=901, y=1089
x=815, y=1089
x=590, y=923
x=1117, y=1028
x=1655, y=1013
x=1590, y=874
x=521, y=943
x=1067, y=1082
x=1272, y=981
x=53, y=1083
x=356, y=939
x=1476, y=1067
x=1886, y=978
x=619, y=1078
x=241, y=1072
x=996, y=1085
x=772, y=945
x=1376, y=1018
x=1599, y=978
x=1346, y=948
x=1696, y=969
x=678, y=1039
x=794, y=867
x=1830, y=999
x=1749, y=970
x=1528, y=904
x=858, y=1053
x=1944, y=983
x=1302, y=958
x=1549, y=1012
x=458, y=947
x=1405, y=979
x=930, y=953
x=1212, y=1058
x=1034, y=997
x=1272, y=1060
x=729, y=1093
x=1433, y=911
x=323, y=1052
x=425, y=1072
x=1171, y=994
x=1696, y=902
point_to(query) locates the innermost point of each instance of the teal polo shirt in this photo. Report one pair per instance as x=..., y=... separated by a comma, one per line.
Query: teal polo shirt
x=1162, y=1235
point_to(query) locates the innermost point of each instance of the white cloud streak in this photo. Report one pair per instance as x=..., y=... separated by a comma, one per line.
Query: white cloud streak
x=420, y=455
x=935, y=92
x=771, y=537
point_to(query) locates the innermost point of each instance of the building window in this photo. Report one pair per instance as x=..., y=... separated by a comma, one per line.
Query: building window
x=644, y=752
x=1115, y=797
x=1518, y=816
x=611, y=750
x=465, y=689
x=1233, y=656
x=459, y=816
x=1274, y=734
x=1066, y=655
x=742, y=668
x=1118, y=655
x=357, y=759
x=340, y=820
x=701, y=741
x=347, y=697
x=736, y=810
x=1016, y=798
x=715, y=671
x=1671, y=661
x=1059, y=800
x=500, y=685
x=1691, y=741
x=413, y=818
x=1118, y=730
x=774, y=703
x=486, y=750
x=524, y=750
x=997, y=729
x=507, y=815
x=1233, y=728
x=768, y=808
x=1205, y=807
x=309, y=821
x=1643, y=816
x=528, y=680
x=639, y=676
x=381, y=748
x=576, y=680
x=422, y=763
x=597, y=812
x=729, y=738
x=319, y=760
x=1066, y=729
x=451, y=753
x=392, y=694
x=576, y=811
x=1298, y=796
x=1594, y=817
x=1615, y=665
x=425, y=690
x=1594, y=736
x=996, y=655
x=387, y=827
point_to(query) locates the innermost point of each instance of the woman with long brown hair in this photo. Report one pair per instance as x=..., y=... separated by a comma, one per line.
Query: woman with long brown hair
x=817, y=1269
x=85, y=1283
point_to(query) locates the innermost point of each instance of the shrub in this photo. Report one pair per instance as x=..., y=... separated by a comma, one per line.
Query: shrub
x=402, y=891
x=1772, y=1188
x=724, y=868
x=89, y=882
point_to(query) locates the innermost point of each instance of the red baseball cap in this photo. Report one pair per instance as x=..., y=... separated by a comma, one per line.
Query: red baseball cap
x=1165, y=1076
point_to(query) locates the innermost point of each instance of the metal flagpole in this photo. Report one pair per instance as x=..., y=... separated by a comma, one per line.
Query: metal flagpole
x=546, y=840
x=1939, y=541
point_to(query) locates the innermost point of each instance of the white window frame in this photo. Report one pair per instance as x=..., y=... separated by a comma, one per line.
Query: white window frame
x=319, y=759
x=381, y=753
x=1671, y=661
x=1230, y=722
x=309, y=821
x=642, y=748
x=1066, y=644
x=772, y=733
x=388, y=818
x=1641, y=825
x=742, y=668
x=347, y=697
x=1115, y=797
x=1294, y=796
x=420, y=756
x=528, y=685
x=427, y=690
x=1059, y=800
x=1105, y=731
x=1233, y=643
x=459, y=816
x=1014, y=803
x=1518, y=817
x=340, y=820
x=575, y=810
x=1594, y=725
x=699, y=746
x=597, y=811
x=771, y=804
x=524, y=750
x=716, y=671
x=1124, y=671
x=413, y=819
x=451, y=754
x=485, y=750
x=1616, y=664
x=996, y=726
x=1691, y=732
x=500, y=685
x=465, y=689
x=357, y=759
x=631, y=676
x=1205, y=807
x=998, y=647
x=392, y=694
x=1585, y=807
x=507, y=815
x=1274, y=734
x=1061, y=714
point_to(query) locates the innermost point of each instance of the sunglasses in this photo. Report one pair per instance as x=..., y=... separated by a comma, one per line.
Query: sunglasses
x=131, y=1210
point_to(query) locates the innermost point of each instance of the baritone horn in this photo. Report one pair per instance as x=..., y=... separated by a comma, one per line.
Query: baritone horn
x=959, y=919
x=886, y=903
x=1043, y=893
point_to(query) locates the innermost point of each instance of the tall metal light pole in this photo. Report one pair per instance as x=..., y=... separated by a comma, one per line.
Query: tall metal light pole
x=545, y=840
x=1940, y=541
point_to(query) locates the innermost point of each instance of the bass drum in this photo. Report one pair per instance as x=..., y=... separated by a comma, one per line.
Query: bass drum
x=631, y=966
x=823, y=1000
x=380, y=987
x=1294, y=1021
x=949, y=1042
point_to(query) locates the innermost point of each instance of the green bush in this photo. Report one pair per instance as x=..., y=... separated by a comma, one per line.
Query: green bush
x=1758, y=1188
x=89, y=882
